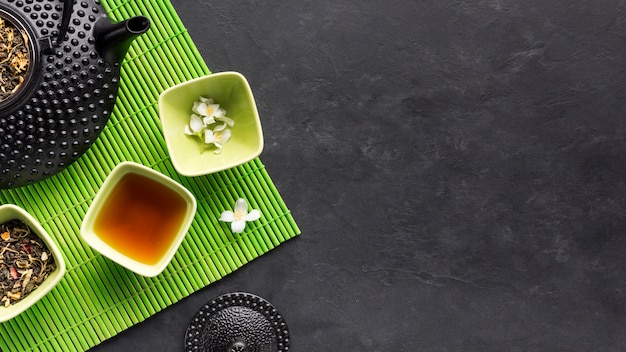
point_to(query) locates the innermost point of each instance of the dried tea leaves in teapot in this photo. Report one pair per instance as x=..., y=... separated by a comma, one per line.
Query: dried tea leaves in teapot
x=13, y=58
x=25, y=261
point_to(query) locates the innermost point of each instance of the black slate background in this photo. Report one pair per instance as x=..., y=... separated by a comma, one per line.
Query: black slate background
x=457, y=168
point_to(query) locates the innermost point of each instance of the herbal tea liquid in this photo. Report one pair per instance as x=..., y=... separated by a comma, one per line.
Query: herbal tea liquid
x=140, y=218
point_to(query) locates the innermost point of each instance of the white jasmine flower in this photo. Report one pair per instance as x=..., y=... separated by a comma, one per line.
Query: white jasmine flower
x=195, y=126
x=207, y=108
x=208, y=122
x=217, y=137
x=240, y=216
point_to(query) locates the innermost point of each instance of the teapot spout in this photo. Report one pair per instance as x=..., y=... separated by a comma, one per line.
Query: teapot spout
x=113, y=39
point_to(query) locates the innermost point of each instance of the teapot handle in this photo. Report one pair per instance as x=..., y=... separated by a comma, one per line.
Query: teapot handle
x=68, y=8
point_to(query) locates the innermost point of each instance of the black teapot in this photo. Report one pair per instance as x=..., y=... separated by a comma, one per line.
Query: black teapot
x=70, y=85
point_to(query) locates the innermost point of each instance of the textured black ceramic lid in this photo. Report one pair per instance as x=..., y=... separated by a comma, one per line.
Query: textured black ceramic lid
x=237, y=322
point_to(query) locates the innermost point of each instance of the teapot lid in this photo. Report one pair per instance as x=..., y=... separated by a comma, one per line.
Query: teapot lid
x=238, y=321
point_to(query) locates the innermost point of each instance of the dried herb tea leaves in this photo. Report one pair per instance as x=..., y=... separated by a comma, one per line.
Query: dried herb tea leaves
x=13, y=58
x=25, y=261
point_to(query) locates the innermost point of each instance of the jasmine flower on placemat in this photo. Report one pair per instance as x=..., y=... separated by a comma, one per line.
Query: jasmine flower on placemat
x=240, y=216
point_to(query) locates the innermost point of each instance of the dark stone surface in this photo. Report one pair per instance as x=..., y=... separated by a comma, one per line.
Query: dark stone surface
x=457, y=168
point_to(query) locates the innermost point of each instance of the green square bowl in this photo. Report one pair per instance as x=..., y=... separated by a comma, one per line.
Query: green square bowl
x=90, y=234
x=232, y=91
x=10, y=212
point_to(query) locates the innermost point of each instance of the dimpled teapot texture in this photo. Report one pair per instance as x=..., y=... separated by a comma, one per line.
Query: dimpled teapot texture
x=70, y=86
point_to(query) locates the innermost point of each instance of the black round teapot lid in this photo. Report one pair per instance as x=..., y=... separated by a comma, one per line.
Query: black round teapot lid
x=237, y=322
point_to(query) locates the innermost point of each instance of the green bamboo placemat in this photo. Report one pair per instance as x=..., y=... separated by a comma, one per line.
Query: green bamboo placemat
x=97, y=298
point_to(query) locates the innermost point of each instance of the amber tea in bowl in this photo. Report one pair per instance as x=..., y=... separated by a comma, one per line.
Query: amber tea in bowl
x=139, y=218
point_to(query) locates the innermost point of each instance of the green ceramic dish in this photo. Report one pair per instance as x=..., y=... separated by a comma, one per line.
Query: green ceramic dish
x=10, y=212
x=89, y=233
x=232, y=91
